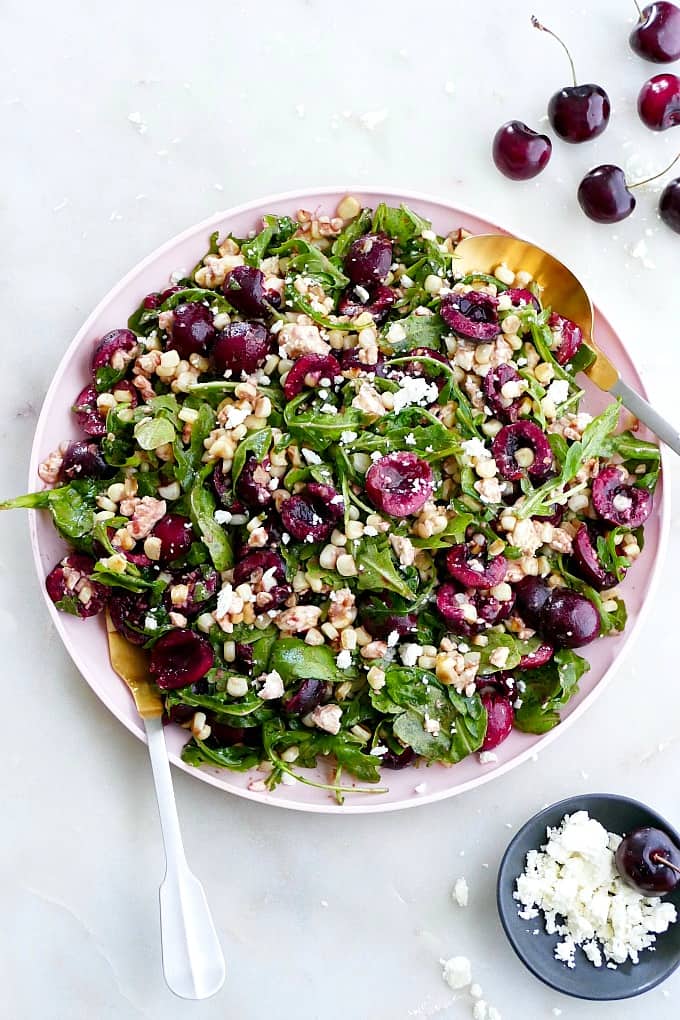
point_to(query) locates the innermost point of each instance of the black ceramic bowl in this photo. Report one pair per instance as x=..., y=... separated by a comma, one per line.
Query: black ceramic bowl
x=617, y=814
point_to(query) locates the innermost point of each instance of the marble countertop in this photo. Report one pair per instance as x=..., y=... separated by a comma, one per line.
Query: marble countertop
x=320, y=917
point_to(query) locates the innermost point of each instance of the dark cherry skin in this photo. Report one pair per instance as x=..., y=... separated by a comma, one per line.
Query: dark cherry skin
x=176, y=534
x=578, y=113
x=659, y=102
x=84, y=460
x=180, y=658
x=518, y=152
x=648, y=860
x=500, y=716
x=656, y=36
x=669, y=205
x=604, y=196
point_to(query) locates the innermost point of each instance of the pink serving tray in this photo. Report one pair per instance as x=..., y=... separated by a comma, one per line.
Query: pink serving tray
x=86, y=640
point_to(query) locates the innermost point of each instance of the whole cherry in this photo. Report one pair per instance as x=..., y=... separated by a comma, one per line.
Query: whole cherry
x=605, y=195
x=656, y=36
x=669, y=205
x=519, y=152
x=649, y=861
x=659, y=102
x=577, y=113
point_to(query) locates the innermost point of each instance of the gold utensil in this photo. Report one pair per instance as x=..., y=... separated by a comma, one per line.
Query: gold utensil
x=564, y=293
x=193, y=963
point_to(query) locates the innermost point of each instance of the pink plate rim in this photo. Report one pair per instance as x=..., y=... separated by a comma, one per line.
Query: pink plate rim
x=371, y=804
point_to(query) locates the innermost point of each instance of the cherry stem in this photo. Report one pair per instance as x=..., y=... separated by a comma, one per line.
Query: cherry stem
x=658, y=859
x=536, y=23
x=639, y=9
x=638, y=184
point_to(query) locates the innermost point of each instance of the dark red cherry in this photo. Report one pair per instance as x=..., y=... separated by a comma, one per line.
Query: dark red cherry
x=569, y=619
x=87, y=414
x=656, y=36
x=128, y=613
x=84, y=460
x=252, y=568
x=567, y=335
x=114, y=351
x=539, y=657
x=577, y=113
x=244, y=288
x=176, y=534
x=587, y=562
x=472, y=315
x=254, y=483
x=380, y=623
x=399, y=484
x=70, y=582
x=308, y=695
x=522, y=448
x=619, y=502
x=500, y=716
x=604, y=196
x=241, y=348
x=180, y=658
x=475, y=570
x=308, y=371
x=659, y=102
x=193, y=329
x=369, y=259
x=394, y=760
x=648, y=860
x=311, y=515
x=504, y=408
x=518, y=152
x=669, y=205
x=522, y=298
x=532, y=594
x=378, y=303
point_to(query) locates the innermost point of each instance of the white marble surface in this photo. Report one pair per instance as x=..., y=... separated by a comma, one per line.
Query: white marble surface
x=320, y=917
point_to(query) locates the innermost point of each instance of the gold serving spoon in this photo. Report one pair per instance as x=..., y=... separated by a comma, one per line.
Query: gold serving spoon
x=193, y=963
x=483, y=253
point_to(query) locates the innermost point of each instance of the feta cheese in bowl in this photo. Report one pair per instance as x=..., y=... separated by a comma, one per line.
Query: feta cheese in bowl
x=569, y=915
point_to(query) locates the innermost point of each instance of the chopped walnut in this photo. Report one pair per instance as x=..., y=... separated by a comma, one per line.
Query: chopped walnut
x=50, y=468
x=298, y=619
x=341, y=610
x=146, y=513
x=301, y=337
x=368, y=400
x=404, y=549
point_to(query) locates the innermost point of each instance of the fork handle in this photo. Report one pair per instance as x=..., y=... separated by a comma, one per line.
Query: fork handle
x=643, y=410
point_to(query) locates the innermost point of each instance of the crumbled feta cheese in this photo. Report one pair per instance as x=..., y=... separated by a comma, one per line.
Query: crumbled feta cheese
x=409, y=653
x=272, y=687
x=414, y=389
x=476, y=991
x=420, y=788
x=558, y=391
x=327, y=717
x=573, y=881
x=457, y=972
x=487, y=758
x=475, y=448
x=362, y=293
x=224, y=599
x=310, y=456
x=396, y=333
x=222, y=516
x=430, y=725
x=460, y=892
x=344, y=659
x=348, y=436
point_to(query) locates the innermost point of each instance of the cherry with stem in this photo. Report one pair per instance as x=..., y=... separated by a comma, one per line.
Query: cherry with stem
x=577, y=113
x=605, y=195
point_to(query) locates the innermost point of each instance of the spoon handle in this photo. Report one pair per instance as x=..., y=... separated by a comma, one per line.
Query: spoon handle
x=646, y=413
x=193, y=963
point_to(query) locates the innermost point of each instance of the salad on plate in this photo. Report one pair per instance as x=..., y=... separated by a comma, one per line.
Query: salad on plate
x=347, y=499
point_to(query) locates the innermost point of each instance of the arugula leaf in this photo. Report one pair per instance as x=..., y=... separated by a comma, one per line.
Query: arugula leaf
x=31, y=501
x=218, y=702
x=202, y=507
x=256, y=444
x=105, y=377
x=377, y=569
x=497, y=639
x=318, y=430
x=308, y=258
x=355, y=229
x=277, y=230
x=192, y=295
x=72, y=514
x=402, y=224
x=453, y=533
x=189, y=461
x=295, y=660
x=150, y=433
x=548, y=689
x=420, y=330
x=238, y=757
x=131, y=580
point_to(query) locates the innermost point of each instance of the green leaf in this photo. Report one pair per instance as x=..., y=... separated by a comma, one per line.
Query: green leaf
x=316, y=430
x=377, y=569
x=202, y=508
x=497, y=639
x=453, y=533
x=256, y=444
x=31, y=501
x=355, y=229
x=462, y=726
x=106, y=377
x=295, y=660
x=189, y=461
x=421, y=331
x=277, y=230
x=150, y=433
x=238, y=758
x=72, y=514
x=402, y=224
x=548, y=689
x=192, y=295
x=308, y=258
